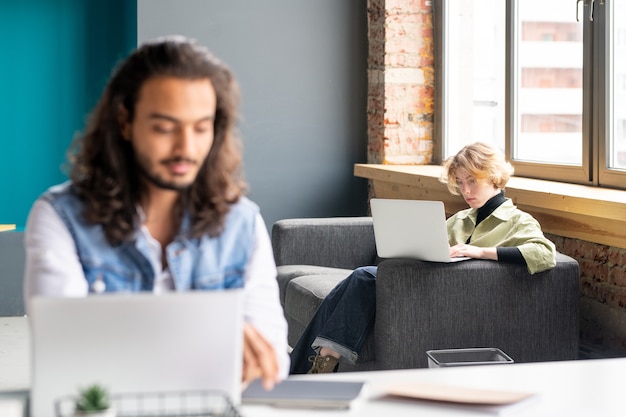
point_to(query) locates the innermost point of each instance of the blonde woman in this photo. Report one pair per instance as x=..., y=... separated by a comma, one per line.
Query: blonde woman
x=491, y=228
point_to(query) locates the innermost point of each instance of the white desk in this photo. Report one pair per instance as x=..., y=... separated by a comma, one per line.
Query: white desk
x=14, y=354
x=590, y=388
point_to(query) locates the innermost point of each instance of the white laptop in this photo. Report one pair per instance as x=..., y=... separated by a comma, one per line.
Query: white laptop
x=135, y=343
x=413, y=229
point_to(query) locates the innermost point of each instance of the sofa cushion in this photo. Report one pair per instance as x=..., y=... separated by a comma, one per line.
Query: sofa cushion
x=340, y=242
x=305, y=294
x=288, y=272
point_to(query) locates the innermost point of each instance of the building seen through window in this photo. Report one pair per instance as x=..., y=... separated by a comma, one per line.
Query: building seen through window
x=552, y=93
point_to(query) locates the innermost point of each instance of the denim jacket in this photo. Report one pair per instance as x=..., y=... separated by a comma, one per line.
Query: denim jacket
x=203, y=263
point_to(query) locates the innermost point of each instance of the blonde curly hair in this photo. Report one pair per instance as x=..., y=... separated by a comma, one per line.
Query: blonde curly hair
x=483, y=161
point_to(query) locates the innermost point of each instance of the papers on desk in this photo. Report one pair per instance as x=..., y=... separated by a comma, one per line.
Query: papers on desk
x=493, y=401
x=304, y=394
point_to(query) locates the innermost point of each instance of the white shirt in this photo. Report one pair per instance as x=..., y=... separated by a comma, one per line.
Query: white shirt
x=53, y=268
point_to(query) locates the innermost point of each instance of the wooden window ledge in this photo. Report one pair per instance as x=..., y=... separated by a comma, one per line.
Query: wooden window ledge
x=577, y=211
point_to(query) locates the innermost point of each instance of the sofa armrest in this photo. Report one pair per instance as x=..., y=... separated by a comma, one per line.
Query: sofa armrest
x=12, y=256
x=475, y=303
x=340, y=242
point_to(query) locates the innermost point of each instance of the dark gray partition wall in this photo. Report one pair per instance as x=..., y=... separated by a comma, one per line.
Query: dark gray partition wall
x=302, y=68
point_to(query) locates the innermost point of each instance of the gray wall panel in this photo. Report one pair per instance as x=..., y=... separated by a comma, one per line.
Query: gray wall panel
x=302, y=68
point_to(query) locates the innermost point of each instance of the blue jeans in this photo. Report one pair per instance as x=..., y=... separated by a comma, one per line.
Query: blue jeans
x=341, y=322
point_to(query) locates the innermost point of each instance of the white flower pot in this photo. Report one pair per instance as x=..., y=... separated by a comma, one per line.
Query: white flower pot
x=111, y=412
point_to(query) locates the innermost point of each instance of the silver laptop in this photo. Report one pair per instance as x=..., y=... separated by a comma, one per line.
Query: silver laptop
x=311, y=394
x=414, y=229
x=135, y=343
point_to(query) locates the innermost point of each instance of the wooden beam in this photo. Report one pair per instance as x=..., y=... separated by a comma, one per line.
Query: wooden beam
x=582, y=212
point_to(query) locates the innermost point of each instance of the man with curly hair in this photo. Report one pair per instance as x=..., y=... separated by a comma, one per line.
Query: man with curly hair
x=155, y=200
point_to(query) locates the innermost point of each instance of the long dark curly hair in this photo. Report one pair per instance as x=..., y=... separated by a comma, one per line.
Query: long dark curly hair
x=102, y=164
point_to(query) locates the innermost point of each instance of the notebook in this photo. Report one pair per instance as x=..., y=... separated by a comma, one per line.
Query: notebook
x=295, y=393
x=135, y=343
x=414, y=229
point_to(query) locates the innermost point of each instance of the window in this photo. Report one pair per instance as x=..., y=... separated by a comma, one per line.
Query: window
x=616, y=91
x=542, y=80
x=472, y=69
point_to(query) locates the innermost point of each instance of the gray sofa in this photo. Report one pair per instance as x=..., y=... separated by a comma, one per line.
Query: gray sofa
x=423, y=305
x=12, y=256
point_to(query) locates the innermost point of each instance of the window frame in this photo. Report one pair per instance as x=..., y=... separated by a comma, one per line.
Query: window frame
x=596, y=114
x=603, y=85
x=575, y=174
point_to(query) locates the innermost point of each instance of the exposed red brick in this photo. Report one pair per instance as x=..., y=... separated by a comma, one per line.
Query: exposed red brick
x=400, y=34
x=617, y=276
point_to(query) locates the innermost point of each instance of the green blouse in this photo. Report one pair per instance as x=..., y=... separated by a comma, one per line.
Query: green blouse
x=507, y=226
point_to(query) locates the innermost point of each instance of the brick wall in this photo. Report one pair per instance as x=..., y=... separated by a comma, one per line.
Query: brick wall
x=603, y=293
x=401, y=82
x=400, y=131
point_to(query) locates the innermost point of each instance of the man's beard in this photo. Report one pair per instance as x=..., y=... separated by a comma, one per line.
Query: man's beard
x=144, y=170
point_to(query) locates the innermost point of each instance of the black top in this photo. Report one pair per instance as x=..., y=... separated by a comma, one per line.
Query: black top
x=488, y=208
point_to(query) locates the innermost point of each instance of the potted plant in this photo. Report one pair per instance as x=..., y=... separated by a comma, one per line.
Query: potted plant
x=93, y=401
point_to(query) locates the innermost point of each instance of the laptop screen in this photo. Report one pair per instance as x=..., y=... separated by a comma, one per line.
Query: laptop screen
x=135, y=343
x=414, y=229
